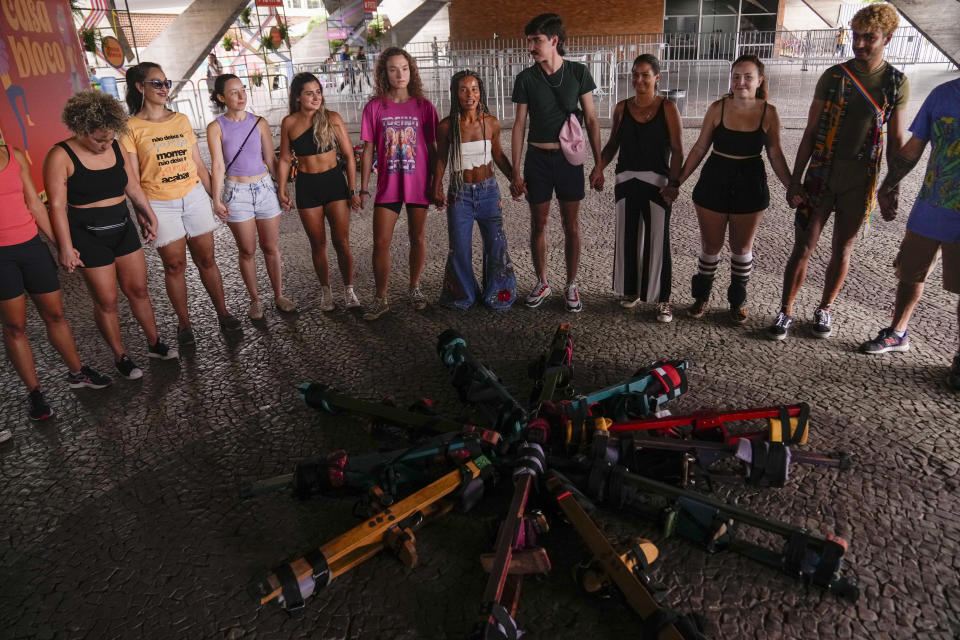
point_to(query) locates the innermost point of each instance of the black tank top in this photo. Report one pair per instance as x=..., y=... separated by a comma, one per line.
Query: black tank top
x=739, y=143
x=644, y=146
x=304, y=145
x=86, y=186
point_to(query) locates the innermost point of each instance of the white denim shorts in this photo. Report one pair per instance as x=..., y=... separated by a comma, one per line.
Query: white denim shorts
x=190, y=216
x=248, y=200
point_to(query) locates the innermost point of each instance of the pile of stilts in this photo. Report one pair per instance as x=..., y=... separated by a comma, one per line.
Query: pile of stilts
x=616, y=447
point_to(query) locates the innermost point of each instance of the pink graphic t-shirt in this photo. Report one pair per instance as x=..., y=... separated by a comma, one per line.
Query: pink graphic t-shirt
x=402, y=133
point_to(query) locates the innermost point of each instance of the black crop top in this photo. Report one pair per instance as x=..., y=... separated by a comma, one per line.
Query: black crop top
x=304, y=145
x=739, y=143
x=87, y=186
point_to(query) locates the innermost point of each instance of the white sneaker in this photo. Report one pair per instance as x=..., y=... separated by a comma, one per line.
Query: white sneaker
x=326, y=299
x=629, y=303
x=664, y=312
x=350, y=299
x=540, y=293
x=377, y=309
x=572, y=298
x=417, y=300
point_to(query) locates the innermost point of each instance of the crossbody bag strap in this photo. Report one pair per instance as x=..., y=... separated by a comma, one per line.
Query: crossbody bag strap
x=249, y=133
x=877, y=109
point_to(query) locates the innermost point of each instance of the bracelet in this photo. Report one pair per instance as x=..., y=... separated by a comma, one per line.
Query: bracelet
x=364, y=192
x=353, y=192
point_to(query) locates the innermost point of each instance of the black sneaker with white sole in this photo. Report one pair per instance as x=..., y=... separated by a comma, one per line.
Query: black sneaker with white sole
x=127, y=368
x=88, y=377
x=162, y=351
x=778, y=330
x=822, y=323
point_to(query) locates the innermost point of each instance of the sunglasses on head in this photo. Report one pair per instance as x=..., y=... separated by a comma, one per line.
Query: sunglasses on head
x=159, y=84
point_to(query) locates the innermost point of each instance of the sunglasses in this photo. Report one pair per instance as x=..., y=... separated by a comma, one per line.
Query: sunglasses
x=159, y=84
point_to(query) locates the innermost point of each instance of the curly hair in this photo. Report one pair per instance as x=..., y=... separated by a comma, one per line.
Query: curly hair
x=382, y=84
x=880, y=16
x=219, y=86
x=87, y=111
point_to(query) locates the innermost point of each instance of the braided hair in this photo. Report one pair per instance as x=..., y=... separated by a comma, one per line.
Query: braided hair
x=456, y=156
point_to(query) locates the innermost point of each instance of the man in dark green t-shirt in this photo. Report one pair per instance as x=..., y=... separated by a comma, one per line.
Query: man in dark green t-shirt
x=550, y=90
x=843, y=143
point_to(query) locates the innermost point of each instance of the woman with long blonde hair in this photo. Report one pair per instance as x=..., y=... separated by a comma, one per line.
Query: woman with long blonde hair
x=313, y=134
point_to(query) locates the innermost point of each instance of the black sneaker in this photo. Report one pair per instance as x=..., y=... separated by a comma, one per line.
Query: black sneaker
x=185, y=337
x=229, y=324
x=162, y=351
x=39, y=409
x=822, y=323
x=128, y=369
x=778, y=330
x=88, y=377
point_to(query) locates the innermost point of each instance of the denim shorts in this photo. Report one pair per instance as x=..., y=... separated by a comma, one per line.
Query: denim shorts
x=248, y=200
x=190, y=216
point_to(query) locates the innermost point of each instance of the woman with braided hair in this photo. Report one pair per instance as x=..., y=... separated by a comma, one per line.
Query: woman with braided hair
x=469, y=139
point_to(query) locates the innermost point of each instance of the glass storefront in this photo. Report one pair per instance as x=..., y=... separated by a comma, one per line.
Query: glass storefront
x=718, y=25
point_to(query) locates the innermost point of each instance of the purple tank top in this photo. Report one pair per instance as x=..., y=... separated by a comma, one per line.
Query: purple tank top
x=250, y=160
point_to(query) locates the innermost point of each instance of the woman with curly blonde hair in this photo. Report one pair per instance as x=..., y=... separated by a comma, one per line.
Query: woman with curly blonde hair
x=88, y=186
x=402, y=124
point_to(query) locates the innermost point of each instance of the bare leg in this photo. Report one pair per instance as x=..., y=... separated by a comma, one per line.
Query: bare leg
x=201, y=250
x=713, y=230
x=14, y=313
x=269, y=232
x=102, y=282
x=338, y=216
x=845, y=230
x=416, y=222
x=174, y=257
x=538, y=238
x=50, y=306
x=312, y=220
x=795, y=273
x=743, y=229
x=569, y=217
x=132, y=275
x=245, y=233
x=384, y=222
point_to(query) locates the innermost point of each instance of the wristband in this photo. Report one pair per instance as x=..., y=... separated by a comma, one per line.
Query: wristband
x=364, y=192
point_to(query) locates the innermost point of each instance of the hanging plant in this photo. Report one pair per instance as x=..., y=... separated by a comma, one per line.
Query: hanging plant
x=284, y=33
x=228, y=43
x=245, y=17
x=257, y=79
x=89, y=39
x=267, y=44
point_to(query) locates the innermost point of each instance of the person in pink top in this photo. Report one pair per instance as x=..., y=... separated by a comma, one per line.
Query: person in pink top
x=26, y=266
x=401, y=124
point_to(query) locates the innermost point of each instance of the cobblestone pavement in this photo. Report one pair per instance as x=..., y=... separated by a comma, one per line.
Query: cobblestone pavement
x=120, y=518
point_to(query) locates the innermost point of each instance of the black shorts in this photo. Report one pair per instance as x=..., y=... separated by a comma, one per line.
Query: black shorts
x=395, y=206
x=546, y=170
x=29, y=267
x=102, y=234
x=319, y=189
x=727, y=185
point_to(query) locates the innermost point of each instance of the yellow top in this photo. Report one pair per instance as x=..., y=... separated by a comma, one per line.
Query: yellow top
x=167, y=168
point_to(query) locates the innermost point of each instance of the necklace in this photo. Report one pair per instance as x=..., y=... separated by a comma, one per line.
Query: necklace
x=547, y=79
x=647, y=111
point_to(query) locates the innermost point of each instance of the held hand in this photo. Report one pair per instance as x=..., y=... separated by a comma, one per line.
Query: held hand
x=148, y=228
x=70, y=260
x=284, y=200
x=364, y=199
x=439, y=200
x=795, y=196
x=596, y=179
x=669, y=194
x=355, y=202
x=889, y=200
x=517, y=186
x=221, y=210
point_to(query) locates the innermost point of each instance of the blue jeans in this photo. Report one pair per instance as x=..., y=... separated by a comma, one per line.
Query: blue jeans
x=480, y=202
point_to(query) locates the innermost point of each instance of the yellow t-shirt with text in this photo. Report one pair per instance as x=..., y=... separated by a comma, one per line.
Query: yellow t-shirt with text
x=167, y=167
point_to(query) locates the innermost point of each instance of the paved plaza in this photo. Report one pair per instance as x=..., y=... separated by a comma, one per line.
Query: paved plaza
x=121, y=517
